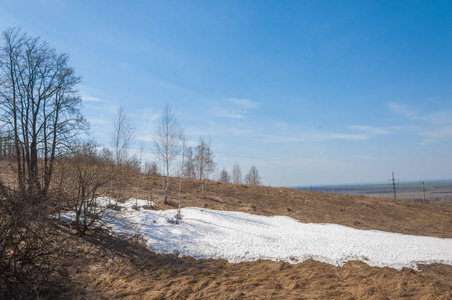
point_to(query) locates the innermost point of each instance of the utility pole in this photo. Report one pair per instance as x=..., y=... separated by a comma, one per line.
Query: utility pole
x=423, y=189
x=394, y=185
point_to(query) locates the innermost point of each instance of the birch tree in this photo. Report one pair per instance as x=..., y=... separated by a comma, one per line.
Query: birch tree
x=167, y=144
x=204, y=163
x=236, y=174
x=190, y=169
x=122, y=135
x=181, y=171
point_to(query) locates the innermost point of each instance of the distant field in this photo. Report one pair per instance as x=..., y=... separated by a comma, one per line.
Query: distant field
x=440, y=191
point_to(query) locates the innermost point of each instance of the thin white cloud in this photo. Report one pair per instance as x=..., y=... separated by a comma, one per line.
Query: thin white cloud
x=239, y=131
x=344, y=136
x=99, y=121
x=89, y=94
x=439, y=134
x=403, y=109
x=411, y=113
x=364, y=133
x=320, y=136
x=234, y=115
x=87, y=98
x=433, y=126
x=236, y=108
x=245, y=103
x=438, y=117
x=371, y=129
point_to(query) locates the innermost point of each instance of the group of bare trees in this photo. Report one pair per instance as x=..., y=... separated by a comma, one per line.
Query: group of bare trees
x=172, y=154
x=39, y=108
x=170, y=145
x=39, y=121
x=54, y=168
x=6, y=146
x=252, y=177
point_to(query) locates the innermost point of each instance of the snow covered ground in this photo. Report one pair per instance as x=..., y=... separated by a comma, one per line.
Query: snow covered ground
x=238, y=237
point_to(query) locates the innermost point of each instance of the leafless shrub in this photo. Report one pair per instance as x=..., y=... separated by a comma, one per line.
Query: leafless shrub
x=87, y=173
x=151, y=168
x=26, y=240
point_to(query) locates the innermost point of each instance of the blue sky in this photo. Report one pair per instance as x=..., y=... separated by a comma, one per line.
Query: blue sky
x=311, y=92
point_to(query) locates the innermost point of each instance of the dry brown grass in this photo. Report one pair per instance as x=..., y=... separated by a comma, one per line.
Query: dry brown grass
x=125, y=270
x=361, y=212
x=103, y=267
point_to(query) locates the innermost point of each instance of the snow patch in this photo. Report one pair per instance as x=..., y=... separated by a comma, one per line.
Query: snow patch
x=239, y=237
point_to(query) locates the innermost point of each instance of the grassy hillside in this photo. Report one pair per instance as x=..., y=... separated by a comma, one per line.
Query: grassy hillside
x=361, y=212
x=98, y=266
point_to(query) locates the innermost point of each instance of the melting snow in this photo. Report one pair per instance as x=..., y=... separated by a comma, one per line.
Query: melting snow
x=238, y=237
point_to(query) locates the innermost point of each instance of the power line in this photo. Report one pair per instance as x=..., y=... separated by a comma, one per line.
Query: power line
x=394, y=185
x=423, y=189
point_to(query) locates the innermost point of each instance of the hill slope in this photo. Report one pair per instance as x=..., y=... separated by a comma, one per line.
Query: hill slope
x=98, y=266
x=361, y=212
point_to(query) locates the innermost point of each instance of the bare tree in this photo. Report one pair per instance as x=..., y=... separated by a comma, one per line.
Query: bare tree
x=141, y=157
x=253, y=177
x=39, y=107
x=224, y=176
x=181, y=171
x=189, y=169
x=236, y=174
x=167, y=144
x=133, y=164
x=204, y=163
x=40, y=116
x=122, y=135
x=151, y=168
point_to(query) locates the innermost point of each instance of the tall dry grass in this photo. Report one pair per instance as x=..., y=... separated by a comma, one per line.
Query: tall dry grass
x=98, y=266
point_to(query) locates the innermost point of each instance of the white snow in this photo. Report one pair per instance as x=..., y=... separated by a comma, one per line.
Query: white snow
x=238, y=237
